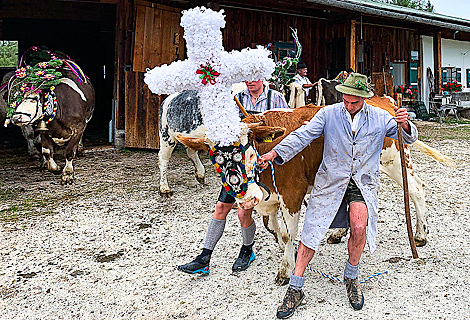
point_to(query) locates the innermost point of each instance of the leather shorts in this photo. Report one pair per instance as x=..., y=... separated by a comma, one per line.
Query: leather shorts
x=225, y=197
x=353, y=194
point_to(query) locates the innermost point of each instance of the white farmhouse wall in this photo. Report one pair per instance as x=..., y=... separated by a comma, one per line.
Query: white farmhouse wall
x=454, y=54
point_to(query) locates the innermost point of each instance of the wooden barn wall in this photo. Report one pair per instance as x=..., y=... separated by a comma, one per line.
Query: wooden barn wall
x=246, y=28
x=395, y=43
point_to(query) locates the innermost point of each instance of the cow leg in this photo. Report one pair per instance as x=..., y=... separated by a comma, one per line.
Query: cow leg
x=392, y=168
x=166, y=148
x=48, y=154
x=199, y=168
x=289, y=232
x=28, y=134
x=68, y=173
x=268, y=209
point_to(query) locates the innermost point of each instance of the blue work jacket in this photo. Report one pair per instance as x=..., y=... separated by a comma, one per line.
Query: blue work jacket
x=345, y=156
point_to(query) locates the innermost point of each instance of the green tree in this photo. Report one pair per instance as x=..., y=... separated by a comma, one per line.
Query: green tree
x=424, y=5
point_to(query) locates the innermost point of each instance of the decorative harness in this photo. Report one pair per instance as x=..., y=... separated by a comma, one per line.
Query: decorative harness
x=229, y=162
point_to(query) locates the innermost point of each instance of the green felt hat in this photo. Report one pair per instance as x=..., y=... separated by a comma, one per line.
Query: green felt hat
x=356, y=85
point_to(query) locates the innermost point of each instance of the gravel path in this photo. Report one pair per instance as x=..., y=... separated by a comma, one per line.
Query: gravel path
x=107, y=246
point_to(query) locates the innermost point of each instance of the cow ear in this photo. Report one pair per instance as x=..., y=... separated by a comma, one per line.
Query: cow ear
x=193, y=143
x=266, y=133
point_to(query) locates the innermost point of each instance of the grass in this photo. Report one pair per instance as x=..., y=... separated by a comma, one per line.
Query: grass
x=9, y=194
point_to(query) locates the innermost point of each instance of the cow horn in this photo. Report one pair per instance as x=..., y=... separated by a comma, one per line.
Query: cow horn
x=253, y=125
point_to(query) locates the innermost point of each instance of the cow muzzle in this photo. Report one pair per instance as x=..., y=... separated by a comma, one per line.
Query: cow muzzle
x=21, y=119
x=253, y=197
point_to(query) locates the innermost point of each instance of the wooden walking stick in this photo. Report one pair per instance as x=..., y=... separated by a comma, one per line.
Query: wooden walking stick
x=405, y=184
x=240, y=107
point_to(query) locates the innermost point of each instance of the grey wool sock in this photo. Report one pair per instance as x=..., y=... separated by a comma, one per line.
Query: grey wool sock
x=350, y=271
x=214, y=232
x=248, y=234
x=296, y=282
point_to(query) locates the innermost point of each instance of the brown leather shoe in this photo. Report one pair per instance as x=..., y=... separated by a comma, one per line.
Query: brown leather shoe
x=291, y=301
x=355, y=296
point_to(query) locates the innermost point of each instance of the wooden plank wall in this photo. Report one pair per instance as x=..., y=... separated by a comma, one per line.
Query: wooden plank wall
x=245, y=28
x=158, y=36
x=141, y=113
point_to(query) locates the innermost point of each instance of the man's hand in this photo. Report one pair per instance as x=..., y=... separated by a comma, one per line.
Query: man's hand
x=266, y=158
x=401, y=116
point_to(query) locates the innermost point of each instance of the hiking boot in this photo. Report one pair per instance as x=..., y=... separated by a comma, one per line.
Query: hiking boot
x=355, y=296
x=291, y=301
x=198, y=265
x=244, y=259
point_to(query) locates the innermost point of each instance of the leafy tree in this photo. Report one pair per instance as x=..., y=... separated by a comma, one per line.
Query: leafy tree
x=424, y=5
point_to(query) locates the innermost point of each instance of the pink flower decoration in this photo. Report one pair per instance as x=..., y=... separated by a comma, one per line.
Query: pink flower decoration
x=49, y=77
x=43, y=65
x=40, y=73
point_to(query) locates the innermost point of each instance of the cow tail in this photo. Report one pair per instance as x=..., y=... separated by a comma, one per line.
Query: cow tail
x=434, y=153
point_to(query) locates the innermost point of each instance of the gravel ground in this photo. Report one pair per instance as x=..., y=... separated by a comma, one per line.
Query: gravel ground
x=106, y=247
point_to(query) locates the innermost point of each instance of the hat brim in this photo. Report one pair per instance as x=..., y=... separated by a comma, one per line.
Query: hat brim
x=354, y=91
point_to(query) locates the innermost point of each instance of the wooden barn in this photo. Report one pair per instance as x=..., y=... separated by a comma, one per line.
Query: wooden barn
x=116, y=40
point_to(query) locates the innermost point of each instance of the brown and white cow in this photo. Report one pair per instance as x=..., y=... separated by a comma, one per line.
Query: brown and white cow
x=294, y=178
x=75, y=105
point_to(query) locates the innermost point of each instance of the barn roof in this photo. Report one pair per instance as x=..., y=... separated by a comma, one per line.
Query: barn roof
x=395, y=12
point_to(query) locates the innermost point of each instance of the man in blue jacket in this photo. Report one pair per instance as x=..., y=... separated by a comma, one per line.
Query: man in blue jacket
x=346, y=184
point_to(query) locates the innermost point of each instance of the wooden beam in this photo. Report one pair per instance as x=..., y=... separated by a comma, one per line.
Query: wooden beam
x=437, y=61
x=352, y=46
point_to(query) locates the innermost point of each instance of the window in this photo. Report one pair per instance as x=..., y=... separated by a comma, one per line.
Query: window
x=398, y=71
x=451, y=74
x=8, y=54
x=468, y=78
x=282, y=50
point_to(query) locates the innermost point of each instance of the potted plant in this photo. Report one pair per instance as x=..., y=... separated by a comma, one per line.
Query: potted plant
x=407, y=92
x=453, y=86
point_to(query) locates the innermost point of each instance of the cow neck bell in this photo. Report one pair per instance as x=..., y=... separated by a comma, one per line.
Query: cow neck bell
x=42, y=127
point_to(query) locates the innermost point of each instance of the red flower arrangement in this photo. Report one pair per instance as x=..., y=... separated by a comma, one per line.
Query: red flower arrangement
x=407, y=91
x=452, y=86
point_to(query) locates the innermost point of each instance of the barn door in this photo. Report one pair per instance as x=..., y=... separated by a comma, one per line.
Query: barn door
x=158, y=40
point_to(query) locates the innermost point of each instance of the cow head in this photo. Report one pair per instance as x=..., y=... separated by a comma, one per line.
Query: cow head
x=29, y=110
x=231, y=169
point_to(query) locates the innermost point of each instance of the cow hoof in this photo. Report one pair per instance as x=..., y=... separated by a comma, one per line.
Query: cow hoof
x=67, y=179
x=420, y=243
x=281, y=281
x=333, y=240
x=200, y=180
x=166, y=194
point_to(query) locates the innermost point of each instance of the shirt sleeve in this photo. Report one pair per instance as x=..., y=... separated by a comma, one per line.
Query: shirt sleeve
x=279, y=100
x=297, y=140
x=392, y=131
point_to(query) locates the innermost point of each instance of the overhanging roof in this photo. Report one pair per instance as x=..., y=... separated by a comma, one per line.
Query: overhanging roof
x=399, y=13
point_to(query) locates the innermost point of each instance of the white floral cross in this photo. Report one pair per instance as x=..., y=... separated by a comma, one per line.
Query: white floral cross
x=204, y=44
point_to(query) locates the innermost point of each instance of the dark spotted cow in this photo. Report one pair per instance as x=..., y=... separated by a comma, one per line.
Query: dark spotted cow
x=325, y=92
x=179, y=114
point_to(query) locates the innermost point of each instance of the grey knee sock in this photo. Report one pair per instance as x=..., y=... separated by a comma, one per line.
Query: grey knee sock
x=248, y=234
x=350, y=271
x=296, y=282
x=214, y=232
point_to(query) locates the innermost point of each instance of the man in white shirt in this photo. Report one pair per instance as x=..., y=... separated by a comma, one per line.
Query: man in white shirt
x=301, y=78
